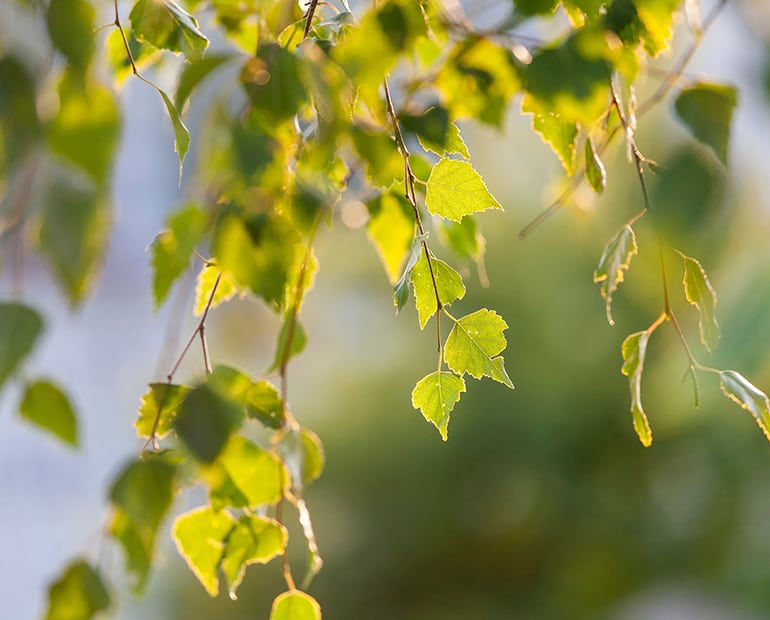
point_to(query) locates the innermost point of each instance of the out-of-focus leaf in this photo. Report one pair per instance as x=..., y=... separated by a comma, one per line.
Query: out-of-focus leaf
x=435, y=131
x=71, y=28
x=613, y=263
x=634, y=349
x=181, y=133
x=303, y=455
x=253, y=540
x=559, y=134
x=700, y=293
x=455, y=190
x=391, y=229
x=748, y=396
x=290, y=328
x=168, y=26
x=78, y=594
x=19, y=124
x=207, y=277
x=435, y=396
x=448, y=282
x=474, y=344
x=384, y=163
x=194, y=73
x=20, y=327
x=160, y=403
x=401, y=288
x=45, y=405
x=595, y=172
x=263, y=403
x=272, y=82
x=707, y=111
x=295, y=605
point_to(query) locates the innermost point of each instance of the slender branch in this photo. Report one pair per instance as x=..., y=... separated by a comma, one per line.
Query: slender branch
x=309, y=18
x=285, y=566
x=693, y=363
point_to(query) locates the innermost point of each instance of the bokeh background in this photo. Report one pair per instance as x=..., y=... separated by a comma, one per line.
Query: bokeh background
x=542, y=504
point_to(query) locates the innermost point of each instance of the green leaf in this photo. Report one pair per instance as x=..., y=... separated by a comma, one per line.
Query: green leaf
x=633, y=349
x=204, y=285
x=158, y=409
x=78, y=594
x=295, y=605
x=181, y=134
x=559, y=134
x=378, y=149
x=166, y=25
x=658, y=19
x=391, y=229
x=707, y=111
x=141, y=496
x=194, y=73
x=748, y=396
x=613, y=263
x=200, y=536
x=172, y=248
x=289, y=329
x=401, y=288
x=71, y=28
x=435, y=396
x=474, y=343
x=700, y=293
x=455, y=189
x=448, y=282
x=47, y=406
x=272, y=82
x=20, y=327
x=253, y=540
x=86, y=129
x=595, y=172
x=435, y=132
x=303, y=455
x=464, y=238
x=19, y=124
x=263, y=403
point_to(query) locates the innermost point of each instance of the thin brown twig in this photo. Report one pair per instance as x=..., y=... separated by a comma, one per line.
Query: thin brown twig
x=309, y=18
x=639, y=159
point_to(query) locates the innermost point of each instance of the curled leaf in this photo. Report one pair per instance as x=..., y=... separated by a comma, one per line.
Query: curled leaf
x=614, y=261
x=633, y=349
x=700, y=293
x=747, y=396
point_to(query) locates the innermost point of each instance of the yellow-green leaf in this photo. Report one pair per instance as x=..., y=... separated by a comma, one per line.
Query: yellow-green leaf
x=158, y=409
x=303, y=454
x=20, y=327
x=700, y=293
x=78, y=594
x=473, y=346
x=435, y=396
x=45, y=405
x=167, y=25
x=204, y=285
x=295, y=605
x=559, y=134
x=748, y=396
x=391, y=229
x=633, y=350
x=613, y=263
x=455, y=189
x=595, y=172
x=448, y=282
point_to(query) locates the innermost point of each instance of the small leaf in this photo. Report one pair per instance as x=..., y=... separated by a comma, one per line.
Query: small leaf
x=78, y=594
x=614, y=261
x=748, y=396
x=263, y=403
x=207, y=277
x=448, y=282
x=20, y=327
x=435, y=396
x=559, y=134
x=47, y=406
x=295, y=605
x=253, y=540
x=298, y=341
x=634, y=349
x=401, y=288
x=595, y=172
x=200, y=536
x=707, y=110
x=455, y=189
x=700, y=293
x=158, y=409
x=168, y=26
x=303, y=455
x=194, y=73
x=391, y=229
x=181, y=133
x=474, y=342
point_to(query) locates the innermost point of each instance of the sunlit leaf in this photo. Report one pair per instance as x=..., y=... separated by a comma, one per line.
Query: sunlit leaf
x=391, y=229
x=435, y=396
x=45, y=405
x=295, y=605
x=263, y=403
x=435, y=131
x=167, y=25
x=20, y=327
x=303, y=455
x=204, y=285
x=200, y=536
x=474, y=345
x=455, y=189
x=401, y=288
x=181, y=133
x=707, y=111
x=78, y=594
x=595, y=172
x=700, y=293
x=613, y=263
x=158, y=409
x=748, y=396
x=634, y=349
x=285, y=350
x=449, y=284
x=559, y=134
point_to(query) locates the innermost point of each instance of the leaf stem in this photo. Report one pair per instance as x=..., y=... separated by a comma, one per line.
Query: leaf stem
x=309, y=18
x=285, y=566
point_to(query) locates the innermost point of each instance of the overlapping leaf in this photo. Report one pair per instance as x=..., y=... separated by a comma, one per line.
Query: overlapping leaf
x=204, y=286
x=559, y=134
x=158, y=409
x=613, y=263
x=701, y=294
x=401, y=288
x=391, y=229
x=455, y=190
x=449, y=284
x=252, y=540
x=634, y=349
x=474, y=345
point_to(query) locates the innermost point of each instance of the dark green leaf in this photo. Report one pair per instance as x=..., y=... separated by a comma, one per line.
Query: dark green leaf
x=194, y=73
x=595, y=172
x=634, y=349
x=71, y=27
x=435, y=131
x=78, y=594
x=707, y=111
x=748, y=396
x=295, y=605
x=448, y=282
x=168, y=26
x=181, y=134
x=158, y=409
x=20, y=327
x=700, y=293
x=263, y=403
x=47, y=406
x=455, y=190
x=559, y=134
x=401, y=288
x=272, y=82
x=289, y=329
x=435, y=396
x=19, y=124
x=253, y=540
x=384, y=163
x=474, y=344
x=613, y=263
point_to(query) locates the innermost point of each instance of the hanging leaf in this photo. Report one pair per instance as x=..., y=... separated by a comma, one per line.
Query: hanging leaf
x=455, y=189
x=207, y=277
x=401, y=288
x=559, y=134
x=290, y=328
x=700, y=293
x=20, y=327
x=168, y=26
x=303, y=455
x=194, y=73
x=158, y=409
x=45, y=405
x=707, y=111
x=78, y=594
x=634, y=349
x=391, y=229
x=181, y=133
x=436, y=396
x=473, y=346
x=613, y=263
x=748, y=396
x=71, y=28
x=295, y=605
x=448, y=282
x=435, y=132
x=595, y=172
x=263, y=403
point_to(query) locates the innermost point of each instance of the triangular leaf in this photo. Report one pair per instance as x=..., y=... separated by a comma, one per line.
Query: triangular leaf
x=167, y=25
x=595, y=172
x=20, y=327
x=435, y=396
x=455, y=189
x=614, y=261
x=295, y=605
x=45, y=405
x=748, y=396
x=634, y=349
x=700, y=293
x=448, y=282
x=559, y=134
x=78, y=594
x=474, y=343
x=707, y=110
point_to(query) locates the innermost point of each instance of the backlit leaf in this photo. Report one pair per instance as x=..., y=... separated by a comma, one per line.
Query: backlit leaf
x=200, y=536
x=707, y=111
x=181, y=133
x=455, y=189
x=473, y=346
x=168, y=26
x=464, y=238
x=295, y=605
x=559, y=134
x=78, y=594
x=448, y=282
x=435, y=396
x=748, y=396
x=284, y=352
x=204, y=285
x=401, y=288
x=595, y=172
x=158, y=409
x=613, y=263
x=700, y=293
x=263, y=403
x=391, y=229
x=303, y=454
x=194, y=73
x=435, y=132
x=20, y=327
x=634, y=349
x=45, y=405
x=272, y=83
